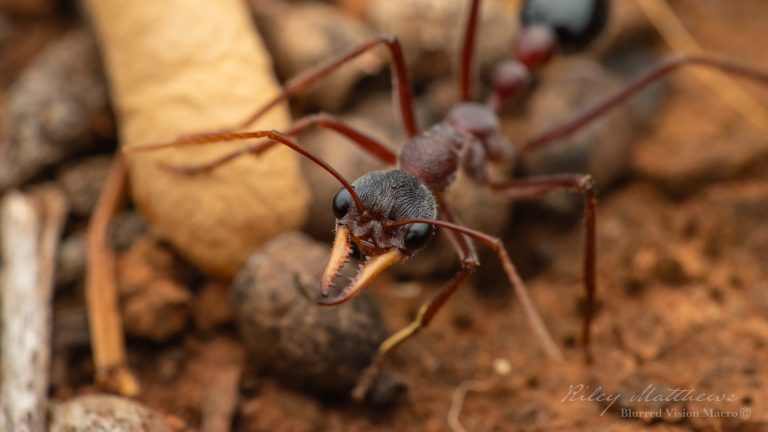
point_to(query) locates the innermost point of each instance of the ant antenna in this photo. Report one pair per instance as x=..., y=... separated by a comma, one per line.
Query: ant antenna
x=272, y=135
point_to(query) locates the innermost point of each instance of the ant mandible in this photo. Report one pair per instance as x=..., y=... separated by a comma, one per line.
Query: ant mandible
x=389, y=215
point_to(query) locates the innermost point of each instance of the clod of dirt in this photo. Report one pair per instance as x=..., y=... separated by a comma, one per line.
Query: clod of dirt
x=154, y=305
x=82, y=182
x=104, y=412
x=51, y=108
x=302, y=36
x=320, y=349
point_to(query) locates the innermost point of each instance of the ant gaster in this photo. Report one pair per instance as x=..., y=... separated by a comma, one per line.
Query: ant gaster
x=389, y=215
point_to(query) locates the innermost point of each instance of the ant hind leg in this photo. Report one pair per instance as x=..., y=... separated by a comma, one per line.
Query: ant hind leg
x=533, y=187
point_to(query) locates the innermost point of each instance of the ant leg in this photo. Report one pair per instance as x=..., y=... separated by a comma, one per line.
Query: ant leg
x=372, y=146
x=306, y=80
x=469, y=262
x=106, y=325
x=468, y=51
x=536, y=186
x=583, y=118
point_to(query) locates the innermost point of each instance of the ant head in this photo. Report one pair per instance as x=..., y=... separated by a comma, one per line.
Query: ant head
x=386, y=197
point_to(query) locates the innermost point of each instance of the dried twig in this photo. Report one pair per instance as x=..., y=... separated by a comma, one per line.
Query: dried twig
x=457, y=400
x=101, y=292
x=31, y=225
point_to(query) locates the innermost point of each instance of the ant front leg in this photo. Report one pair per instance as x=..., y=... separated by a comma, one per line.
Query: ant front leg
x=327, y=121
x=536, y=186
x=469, y=262
x=585, y=117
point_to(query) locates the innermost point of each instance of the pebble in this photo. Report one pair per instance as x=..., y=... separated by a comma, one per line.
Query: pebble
x=319, y=349
x=100, y=412
x=302, y=36
x=51, y=108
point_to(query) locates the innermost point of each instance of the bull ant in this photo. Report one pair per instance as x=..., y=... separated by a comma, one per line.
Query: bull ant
x=389, y=215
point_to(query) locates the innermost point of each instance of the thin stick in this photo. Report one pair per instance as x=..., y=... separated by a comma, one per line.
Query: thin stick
x=31, y=226
x=457, y=400
x=101, y=290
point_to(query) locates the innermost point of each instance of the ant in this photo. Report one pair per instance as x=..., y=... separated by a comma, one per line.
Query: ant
x=389, y=215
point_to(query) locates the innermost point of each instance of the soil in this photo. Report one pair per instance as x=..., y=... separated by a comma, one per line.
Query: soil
x=680, y=339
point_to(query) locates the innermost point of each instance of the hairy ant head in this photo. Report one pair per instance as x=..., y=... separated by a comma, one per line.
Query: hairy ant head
x=387, y=197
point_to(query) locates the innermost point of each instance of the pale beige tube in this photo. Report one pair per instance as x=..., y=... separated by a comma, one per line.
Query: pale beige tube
x=183, y=66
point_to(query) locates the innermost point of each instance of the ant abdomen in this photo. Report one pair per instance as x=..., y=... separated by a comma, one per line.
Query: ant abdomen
x=575, y=22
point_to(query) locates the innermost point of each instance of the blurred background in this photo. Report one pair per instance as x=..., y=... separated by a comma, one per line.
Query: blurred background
x=682, y=239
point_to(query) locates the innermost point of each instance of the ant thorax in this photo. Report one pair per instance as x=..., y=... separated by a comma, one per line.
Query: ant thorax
x=467, y=138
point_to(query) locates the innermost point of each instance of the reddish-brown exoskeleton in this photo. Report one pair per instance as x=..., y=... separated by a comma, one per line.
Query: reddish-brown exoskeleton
x=389, y=215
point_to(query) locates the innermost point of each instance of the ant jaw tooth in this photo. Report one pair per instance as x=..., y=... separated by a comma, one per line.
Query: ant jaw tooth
x=339, y=257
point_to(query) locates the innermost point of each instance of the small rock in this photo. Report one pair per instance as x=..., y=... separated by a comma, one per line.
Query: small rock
x=431, y=32
x=302, y=36
x=682, y=153
x=51, y=107
x=104, y=413
x=153, y=304
x=322, y=349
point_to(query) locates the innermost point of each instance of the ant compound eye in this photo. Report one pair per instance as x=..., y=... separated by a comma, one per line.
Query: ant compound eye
x=418, y=235
x=576, y=22
x=341, y=203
